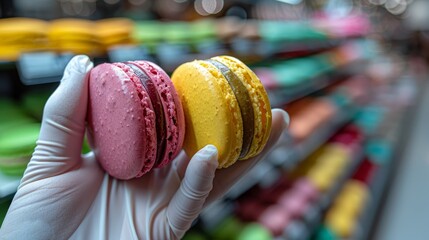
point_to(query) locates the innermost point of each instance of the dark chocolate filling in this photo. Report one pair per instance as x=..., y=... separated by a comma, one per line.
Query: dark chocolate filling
x=152, y=91
x=244, y=102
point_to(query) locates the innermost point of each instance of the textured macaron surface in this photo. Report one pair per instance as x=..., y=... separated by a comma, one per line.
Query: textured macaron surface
x=172, y=112
x=259, y=101
x=121, y=122
x=244, y=103
x=212, y=113
x=149, y=116
x=136, y=120
x=217, y=110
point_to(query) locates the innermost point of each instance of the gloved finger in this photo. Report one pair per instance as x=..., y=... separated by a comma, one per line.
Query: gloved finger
x=63, y=125
x=181, y=163
x=225, y=178
x=195, y=187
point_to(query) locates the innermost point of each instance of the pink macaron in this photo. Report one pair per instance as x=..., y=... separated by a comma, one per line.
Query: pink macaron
x=275, y=219
x=135, y=118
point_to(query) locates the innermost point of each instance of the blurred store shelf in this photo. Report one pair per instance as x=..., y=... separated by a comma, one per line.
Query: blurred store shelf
x=288, y=155
x=8, y=185
x=302, y=229
x=285, y=156
x=279, y=97
x=375, y=222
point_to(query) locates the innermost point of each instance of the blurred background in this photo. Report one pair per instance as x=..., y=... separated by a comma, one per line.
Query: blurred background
x=353, y=75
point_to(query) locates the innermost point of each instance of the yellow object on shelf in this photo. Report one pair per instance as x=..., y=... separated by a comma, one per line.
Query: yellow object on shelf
x=321, y=180
x=342, y=216
x=341, y=224
x=74, y=35
x=114, y=31
x=18, y=35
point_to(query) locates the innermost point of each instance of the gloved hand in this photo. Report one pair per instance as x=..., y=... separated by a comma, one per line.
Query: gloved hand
x=66, y=195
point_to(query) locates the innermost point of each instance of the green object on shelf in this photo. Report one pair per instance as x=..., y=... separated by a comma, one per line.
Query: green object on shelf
x=194, y=235
x=288, y=76
x=177, y=32
x=324, y=63
x=296, y=71
x=340, y=99
x=34, y=102
x=4, y=206
x=15, y=170
x=11, y=115
x=254, y=231
x=148, y=31
x=16, y=147
x=19, y=141
x=378, y=151
x=202, y=30
x=324, y=233
x=227, y=230
x=293, y=72
x=289, y=31
x=369, y=118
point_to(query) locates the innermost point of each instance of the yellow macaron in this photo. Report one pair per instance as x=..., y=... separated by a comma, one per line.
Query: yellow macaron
x=19, y=35
x=76, y=35
x=12, y=29
x=114, y=31
x=225, y=105
x=73, y=29
x=342, y=224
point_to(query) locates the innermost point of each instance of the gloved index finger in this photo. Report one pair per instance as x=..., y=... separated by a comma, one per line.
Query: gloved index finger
x=188, y=201
x=63, y=125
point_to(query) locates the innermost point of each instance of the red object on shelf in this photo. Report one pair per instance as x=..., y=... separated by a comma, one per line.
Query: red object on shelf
x=366, y=171
x=250, y=210
x=351, y=137
x=271, y=194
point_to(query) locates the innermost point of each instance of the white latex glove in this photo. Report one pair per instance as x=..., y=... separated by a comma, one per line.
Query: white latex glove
x=65, y=195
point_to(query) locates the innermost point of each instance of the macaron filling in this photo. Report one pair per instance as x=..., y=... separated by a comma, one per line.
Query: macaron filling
x=154, y=97
x=244, y=102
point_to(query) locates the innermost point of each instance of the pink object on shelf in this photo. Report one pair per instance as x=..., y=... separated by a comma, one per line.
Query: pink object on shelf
x=294, y=203
x=352, y=25
x=307, y=188
x=267, y=77
x=275, y=219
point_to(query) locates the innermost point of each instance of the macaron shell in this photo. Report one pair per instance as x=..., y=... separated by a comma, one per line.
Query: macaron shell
x=173, y=111
x=260, y=102
x=149, y=119
x=212, y=114
x=69, y=28
x=116, y=28
x=121, y=123
x=14, y=28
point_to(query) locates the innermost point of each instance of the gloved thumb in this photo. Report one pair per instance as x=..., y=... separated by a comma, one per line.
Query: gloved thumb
x=63, y=125
x=188, y=201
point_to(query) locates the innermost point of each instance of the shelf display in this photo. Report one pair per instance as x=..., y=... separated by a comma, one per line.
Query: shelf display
x=346, y=93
